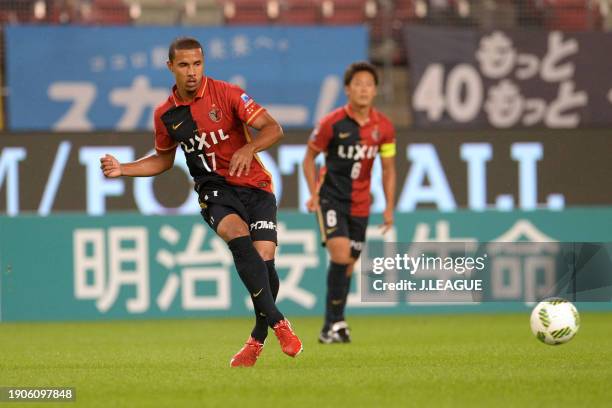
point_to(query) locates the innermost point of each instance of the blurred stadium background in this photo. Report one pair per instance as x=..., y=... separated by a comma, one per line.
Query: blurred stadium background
x=503, y=112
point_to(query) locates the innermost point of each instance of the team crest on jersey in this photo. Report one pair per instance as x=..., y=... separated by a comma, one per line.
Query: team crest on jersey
x=215, y=114
x=375, y=134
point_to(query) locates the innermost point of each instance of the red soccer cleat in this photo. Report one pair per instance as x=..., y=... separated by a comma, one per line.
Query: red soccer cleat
x=247, y=356
x=289, y=341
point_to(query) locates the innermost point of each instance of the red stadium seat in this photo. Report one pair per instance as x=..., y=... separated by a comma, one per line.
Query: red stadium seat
x=347, y=12
x=103, y=12
x=404, y=10
x=17, y=11
x=570, y=15
x=110, y=12
x=300, y=12
x=8, y=17
x=250, y=12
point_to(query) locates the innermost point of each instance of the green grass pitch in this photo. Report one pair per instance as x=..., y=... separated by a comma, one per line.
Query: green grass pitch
x=433, y=361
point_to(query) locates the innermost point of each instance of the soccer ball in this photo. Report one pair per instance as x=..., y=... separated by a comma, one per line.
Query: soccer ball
x=555, y=321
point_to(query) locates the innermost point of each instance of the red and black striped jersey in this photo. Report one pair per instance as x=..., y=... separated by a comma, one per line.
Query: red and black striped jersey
x=209, y=130
x=350, y=150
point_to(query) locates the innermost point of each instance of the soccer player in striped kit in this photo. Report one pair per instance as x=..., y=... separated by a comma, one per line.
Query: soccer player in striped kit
x=350, y=137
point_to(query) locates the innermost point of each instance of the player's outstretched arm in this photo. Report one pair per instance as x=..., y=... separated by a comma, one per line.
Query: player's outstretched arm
x=389, y=183
x=270, y=132
x=147, y=166
x=310, y=173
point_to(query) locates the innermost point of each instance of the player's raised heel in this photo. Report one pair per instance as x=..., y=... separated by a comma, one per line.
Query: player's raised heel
x=247, y=356
x=289, y=341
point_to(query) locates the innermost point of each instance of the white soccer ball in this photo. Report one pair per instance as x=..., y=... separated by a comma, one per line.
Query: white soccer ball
x=555, y=321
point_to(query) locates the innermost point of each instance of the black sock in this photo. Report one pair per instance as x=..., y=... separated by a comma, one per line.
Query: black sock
x=260, y=331
x=347, y=289
x=254, y=275
x=336, y=293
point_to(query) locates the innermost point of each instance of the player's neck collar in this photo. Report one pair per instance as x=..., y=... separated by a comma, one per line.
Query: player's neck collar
x=372, y=117
x=199, y=94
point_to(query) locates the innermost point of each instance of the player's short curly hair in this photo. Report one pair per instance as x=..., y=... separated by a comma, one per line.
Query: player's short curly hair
x=183, y=43
x=359, y=66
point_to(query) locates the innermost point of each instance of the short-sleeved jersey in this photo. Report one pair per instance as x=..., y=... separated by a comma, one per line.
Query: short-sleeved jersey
x=350, y=150
x=209, y=130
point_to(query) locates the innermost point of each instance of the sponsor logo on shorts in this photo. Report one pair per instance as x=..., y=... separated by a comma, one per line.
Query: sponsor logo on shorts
x=259, y=225
x=215, y=193
x=358, y=246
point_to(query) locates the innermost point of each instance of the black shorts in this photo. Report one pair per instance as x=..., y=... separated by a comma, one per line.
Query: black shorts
x=334, y=223
x=256, y=207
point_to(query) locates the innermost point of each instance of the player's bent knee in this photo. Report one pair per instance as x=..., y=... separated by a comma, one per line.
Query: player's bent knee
x=266, y=249
x=351, y=267
x=340, y=259
x=232, y=227
x=339, y=250
x=267, y=255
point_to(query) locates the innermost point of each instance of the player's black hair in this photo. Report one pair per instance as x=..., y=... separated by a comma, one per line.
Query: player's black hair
x=183, y=43
x=359, y=66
